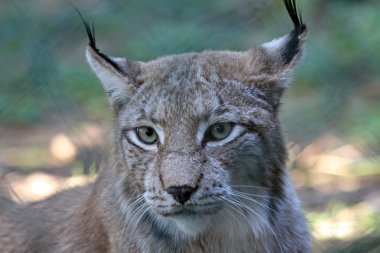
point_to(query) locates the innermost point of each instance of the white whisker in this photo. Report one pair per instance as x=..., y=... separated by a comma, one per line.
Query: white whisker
x=236, y=207
x=254, y=195
x=143, y=213
x=252, y=200
x=131, y=206
x=262, y=219
x=250, y=186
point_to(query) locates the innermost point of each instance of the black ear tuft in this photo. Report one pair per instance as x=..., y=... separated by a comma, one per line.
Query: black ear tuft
x=299, y=32
x=279, y=56
x=90, y=30
x=295, y=15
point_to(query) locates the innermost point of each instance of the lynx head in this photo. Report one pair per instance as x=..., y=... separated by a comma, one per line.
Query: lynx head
x=197, y=134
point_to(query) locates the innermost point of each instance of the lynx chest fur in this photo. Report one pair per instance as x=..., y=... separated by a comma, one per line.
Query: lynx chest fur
x=197, y=161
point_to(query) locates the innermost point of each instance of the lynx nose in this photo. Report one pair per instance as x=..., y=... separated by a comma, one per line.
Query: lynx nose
x=181, y=193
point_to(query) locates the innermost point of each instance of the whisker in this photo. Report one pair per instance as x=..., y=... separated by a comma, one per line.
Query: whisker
x=131, y=206
x=134, y=213
x=143, y=213
x=141, y=198
x=235, y=207
x=230, y=213
x=250, y=186
x=137, y=210
x=135, y=199
x=254, y=195
x=253, y=200
x=263, y=220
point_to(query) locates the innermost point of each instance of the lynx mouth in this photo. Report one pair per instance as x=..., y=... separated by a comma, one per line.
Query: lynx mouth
x=190, y=210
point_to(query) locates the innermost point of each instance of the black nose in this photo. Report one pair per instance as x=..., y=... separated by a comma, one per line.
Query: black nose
x=181, y=193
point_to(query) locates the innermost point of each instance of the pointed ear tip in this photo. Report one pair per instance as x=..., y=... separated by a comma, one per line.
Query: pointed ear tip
x=304, y=33
x=90, y=53
x=89, y=50
x=91, y=58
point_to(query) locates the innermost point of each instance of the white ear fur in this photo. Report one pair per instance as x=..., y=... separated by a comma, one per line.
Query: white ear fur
x=274, y=46
x=279, y=56
x=116, y=84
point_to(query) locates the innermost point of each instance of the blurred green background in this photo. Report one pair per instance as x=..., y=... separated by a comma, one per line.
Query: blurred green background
x=54, y=117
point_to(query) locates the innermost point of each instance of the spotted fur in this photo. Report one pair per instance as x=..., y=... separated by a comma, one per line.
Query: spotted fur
x=242, y=200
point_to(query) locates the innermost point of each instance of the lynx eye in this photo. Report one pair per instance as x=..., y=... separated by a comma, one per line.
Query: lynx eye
x=146, y=135
x=219, y=131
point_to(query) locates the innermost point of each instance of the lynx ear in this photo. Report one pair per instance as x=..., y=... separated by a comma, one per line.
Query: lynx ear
x=118, y=75
x=276, y=59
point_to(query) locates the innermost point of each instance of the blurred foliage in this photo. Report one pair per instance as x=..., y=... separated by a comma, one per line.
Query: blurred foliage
x=44, y=73
x=42, y=45
x=335, y=99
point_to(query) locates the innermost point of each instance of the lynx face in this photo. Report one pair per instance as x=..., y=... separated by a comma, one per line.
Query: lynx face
x=190, y=136
x=197, y=134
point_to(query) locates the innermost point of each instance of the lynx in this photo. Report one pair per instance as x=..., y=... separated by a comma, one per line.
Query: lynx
x=197, y=161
